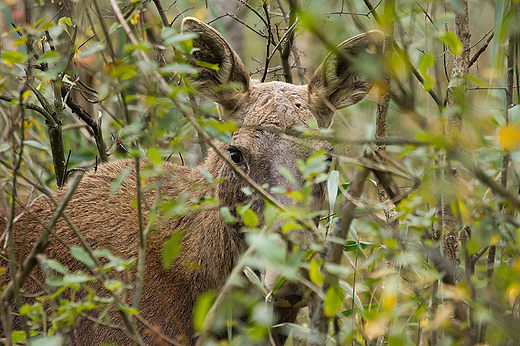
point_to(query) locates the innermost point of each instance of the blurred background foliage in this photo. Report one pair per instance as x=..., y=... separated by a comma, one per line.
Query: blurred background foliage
x=390, y=288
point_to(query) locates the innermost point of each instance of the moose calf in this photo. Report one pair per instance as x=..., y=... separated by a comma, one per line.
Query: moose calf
x=210, y=248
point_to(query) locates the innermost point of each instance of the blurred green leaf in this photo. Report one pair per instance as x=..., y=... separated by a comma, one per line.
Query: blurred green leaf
x=201, y=309
x=452, y=41
x=11, y=57
x=333, y=301
x=248, y=216
x=114, y=188
x=227, y=217
x=82, y=256
x=171, y=249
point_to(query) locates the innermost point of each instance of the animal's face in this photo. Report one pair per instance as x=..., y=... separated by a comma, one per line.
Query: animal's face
x=267, y=112
x=262, y=146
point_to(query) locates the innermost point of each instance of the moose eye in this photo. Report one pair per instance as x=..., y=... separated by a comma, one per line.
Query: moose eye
x=236, y=155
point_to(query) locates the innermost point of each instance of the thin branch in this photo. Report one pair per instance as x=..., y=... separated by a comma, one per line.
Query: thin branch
x=87, y=118
x=160, y=9
x=269, y=36
x=31, y=106
x=480, y=51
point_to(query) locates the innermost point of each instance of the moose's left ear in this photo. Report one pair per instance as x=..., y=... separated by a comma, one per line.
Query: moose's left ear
x=230, y=81
x=346, y=75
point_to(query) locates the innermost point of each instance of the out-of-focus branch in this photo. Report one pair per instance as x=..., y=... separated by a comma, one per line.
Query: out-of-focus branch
x=334, y=251
x=455, y=97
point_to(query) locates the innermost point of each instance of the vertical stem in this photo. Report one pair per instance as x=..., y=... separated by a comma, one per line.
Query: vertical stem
x=142, y=240
x=505, y=164
x=382, y=109
x=269, y=35
x=455, y=97
x=284, y=55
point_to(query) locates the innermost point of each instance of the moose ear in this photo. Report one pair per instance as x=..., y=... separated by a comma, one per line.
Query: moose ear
x=346, y=75
x=225, y=84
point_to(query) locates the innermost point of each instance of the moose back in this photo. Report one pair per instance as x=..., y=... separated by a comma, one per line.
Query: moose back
x=210, y=247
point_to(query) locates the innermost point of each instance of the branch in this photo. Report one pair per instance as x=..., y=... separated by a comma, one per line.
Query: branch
x=160, y=9
x=87, y=118
x=480, y=51
x=31, y=106
x=334, y=251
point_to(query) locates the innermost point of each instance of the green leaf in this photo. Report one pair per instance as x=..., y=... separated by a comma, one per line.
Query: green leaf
x=213, y=67
x=35, y=144
x=248, y=216
x=154, y=155
x=134, y=47
x=171, y=249
x=77, y=278
x=202, y=307
x=92, y=49
x=347, y=288
x=452, y=41
x=206, y=174
x=54, y=281
x=119, y=180
x=314, y=272
x=178, y=68
x=186, y=46
x=170, y=36
x=82, y=256
x=55, y=340
x=227, y=217
x=113, y=285
x=17, y=336
x=333, y=301
x=47, y=26
x=65, y=20
x=57, y=266
x=332, y=188
x=128, y=310
x=49, y=57
x=11, y=57
x=426, y=61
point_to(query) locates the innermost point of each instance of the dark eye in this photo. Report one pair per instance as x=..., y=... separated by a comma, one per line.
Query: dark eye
x=236, y=155
x=297, y=104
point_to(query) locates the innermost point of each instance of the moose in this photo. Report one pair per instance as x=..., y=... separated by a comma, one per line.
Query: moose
x=210, y=247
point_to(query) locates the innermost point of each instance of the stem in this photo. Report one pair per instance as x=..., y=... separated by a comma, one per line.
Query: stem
x=269, y=35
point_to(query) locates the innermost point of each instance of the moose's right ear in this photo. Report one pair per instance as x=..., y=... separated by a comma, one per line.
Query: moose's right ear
x=227, y=85
x=346, y=75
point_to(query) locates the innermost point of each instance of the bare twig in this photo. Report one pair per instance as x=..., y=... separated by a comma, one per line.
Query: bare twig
x=87, y=118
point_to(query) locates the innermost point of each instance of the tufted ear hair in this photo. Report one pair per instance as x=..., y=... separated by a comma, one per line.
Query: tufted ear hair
x=345, y=76
x=231, y=82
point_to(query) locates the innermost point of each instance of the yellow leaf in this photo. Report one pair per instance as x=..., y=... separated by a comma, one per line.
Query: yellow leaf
x=509, y=137
x=494, y=240
x=75, y=58
x=135, y=19
x=513, y=291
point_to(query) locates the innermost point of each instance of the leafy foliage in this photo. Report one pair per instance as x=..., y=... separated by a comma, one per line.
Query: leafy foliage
x=392, y=284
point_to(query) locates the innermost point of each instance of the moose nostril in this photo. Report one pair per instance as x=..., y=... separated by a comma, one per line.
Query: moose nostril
x=294, y=299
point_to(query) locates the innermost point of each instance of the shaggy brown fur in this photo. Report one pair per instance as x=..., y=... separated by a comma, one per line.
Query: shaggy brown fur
x=210, y=247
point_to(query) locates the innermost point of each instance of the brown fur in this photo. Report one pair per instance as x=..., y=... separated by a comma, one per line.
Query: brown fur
x=210, y=247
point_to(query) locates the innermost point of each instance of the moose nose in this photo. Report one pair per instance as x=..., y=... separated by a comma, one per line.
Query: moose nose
x=294, y=299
